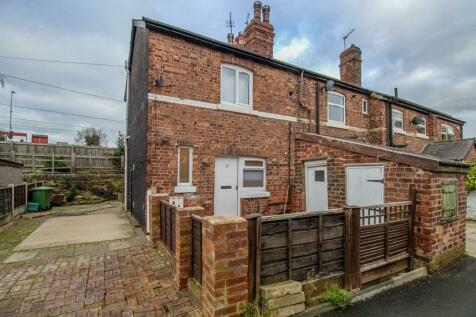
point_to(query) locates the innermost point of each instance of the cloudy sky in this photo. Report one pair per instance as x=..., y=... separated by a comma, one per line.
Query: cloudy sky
x=425, y=48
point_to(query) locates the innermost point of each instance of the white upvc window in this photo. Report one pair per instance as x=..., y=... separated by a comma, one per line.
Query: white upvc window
x=447, y=132
x=184, y=170
x=421, y=127
x=336, y=108
x=365, y=106
x=253, y=175
x=397, y=120
x=236, y=86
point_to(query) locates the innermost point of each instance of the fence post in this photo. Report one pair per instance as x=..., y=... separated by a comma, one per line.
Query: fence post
x=53, y=163
x=352, y=248
x=26, y=195
x=411, y=226
x=73, y=159
x=13, y=201
x=34, y=162
x=253, y=255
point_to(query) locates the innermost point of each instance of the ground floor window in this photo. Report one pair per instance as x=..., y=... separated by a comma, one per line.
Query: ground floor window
x=253, y=172
x=184, y=170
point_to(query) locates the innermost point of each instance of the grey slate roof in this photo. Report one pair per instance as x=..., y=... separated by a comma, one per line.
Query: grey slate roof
x=450, y=150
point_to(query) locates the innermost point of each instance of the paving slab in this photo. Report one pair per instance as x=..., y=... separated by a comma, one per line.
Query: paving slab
x=67, y=230
x=22, y=256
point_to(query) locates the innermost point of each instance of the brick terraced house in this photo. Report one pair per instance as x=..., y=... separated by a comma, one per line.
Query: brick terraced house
x=227, y=127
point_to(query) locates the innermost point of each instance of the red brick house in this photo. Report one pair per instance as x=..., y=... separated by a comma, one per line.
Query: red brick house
x=227, y=127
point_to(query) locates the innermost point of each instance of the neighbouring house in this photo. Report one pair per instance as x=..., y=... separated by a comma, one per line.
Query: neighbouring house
x=11, y=173
x=226, y=127
x=458, y=150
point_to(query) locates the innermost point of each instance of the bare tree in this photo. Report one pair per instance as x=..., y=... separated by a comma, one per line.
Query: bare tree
x=91, y=137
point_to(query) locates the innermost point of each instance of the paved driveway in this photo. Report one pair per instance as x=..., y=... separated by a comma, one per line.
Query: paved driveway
x=125, y=277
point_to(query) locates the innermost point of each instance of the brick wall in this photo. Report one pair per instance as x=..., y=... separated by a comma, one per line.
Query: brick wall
x=225, y=265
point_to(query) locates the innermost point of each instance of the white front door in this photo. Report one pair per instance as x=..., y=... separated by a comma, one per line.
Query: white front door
x=316, y=186
x=365, y=185
x=226, y=186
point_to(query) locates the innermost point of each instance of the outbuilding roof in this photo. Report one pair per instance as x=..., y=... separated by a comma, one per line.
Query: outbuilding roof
x=450, y=150
x=10, y=163
x=219, y=45
x=387, y=153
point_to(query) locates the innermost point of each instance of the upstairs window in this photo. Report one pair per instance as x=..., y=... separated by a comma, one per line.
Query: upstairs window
x=447, y=132
x=421, y=127
x=397, y=120
x=365, y=106
x=336, y=107
x=236, y=86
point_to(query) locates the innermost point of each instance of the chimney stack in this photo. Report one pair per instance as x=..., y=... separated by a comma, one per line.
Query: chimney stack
x=351, y=65
x=266, y=10
x=257, y=10
x=230, y=38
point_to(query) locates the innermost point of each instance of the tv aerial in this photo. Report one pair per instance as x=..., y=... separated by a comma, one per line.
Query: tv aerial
x=346, y=36
x=230, y=23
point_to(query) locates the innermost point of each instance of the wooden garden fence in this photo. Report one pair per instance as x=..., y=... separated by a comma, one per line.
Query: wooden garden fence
x=168, y=213
x=58, y=158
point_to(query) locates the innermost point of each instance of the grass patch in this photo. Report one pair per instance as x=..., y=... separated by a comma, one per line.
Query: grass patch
x=13, y=234
x=337, y=296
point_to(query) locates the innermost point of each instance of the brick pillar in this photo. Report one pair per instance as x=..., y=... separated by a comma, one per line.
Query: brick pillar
x=183, y=244
x=225, y=265
x=154, y=214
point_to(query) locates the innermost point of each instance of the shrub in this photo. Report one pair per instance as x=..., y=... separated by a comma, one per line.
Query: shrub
x=71, y=195
x=471, y=178
x=337, y=296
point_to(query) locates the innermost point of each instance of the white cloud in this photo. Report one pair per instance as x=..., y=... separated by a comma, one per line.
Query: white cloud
x=293, y=50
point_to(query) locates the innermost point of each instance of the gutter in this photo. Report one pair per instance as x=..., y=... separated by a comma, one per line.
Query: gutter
x=200, y=39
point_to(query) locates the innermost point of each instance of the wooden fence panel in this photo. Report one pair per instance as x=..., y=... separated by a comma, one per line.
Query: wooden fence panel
x=301, y=246
x=20, y=195
x=197, y=248
x=168, y=220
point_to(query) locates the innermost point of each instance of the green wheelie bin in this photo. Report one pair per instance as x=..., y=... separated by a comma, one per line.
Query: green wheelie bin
x=42, y=196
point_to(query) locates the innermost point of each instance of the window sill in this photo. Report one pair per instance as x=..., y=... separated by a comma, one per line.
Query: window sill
x=448, y=220
x=337, y=125
x=397, y=131
x=236, y=108
x=185, y=189
x=422, y=136
x=257, y=194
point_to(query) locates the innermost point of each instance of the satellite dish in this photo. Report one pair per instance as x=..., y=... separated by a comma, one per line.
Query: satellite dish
x=330, y=85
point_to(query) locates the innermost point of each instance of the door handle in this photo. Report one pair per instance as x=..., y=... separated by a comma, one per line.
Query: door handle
x=376, y=180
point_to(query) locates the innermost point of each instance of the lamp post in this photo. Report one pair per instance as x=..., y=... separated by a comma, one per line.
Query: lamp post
x=10, y=134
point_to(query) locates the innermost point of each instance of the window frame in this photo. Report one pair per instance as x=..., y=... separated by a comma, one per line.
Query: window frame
x=454, y=214
x=444, y=135
x=190, y=167
x=237, y=71
x=366, y=109
x=395, y=129
x=424, y=125
x=341, y=123
x=252, y=190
